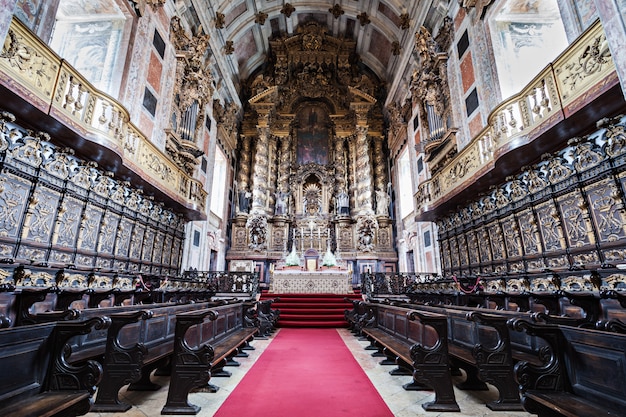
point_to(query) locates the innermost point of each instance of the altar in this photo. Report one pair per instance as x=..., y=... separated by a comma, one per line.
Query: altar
x=298, y=281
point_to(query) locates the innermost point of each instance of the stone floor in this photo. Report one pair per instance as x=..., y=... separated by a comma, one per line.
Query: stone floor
x=402, y=403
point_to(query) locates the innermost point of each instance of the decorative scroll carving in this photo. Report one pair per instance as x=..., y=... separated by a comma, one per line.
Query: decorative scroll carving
x=592, y=60
x=257, y=227
x=366, y=230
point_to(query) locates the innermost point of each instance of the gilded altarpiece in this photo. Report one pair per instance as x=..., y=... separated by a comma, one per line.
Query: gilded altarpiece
x=312, y=170
x=59, y=211
x=566, y=212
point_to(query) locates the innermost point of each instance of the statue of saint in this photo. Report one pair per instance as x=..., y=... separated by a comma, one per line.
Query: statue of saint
x=382, y=203
x=243, y=198
x=343, y=204
x=281, y=203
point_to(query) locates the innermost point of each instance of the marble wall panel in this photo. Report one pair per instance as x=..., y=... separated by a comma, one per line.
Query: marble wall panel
x=467, y=72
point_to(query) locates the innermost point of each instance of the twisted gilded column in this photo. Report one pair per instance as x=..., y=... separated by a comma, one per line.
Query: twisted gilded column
x=260, y=189
x=271, y=175
x=380, y=167
x=363, y=172
x=243, y=173
x=350, y=166
x=284, y=164
x=341, y=173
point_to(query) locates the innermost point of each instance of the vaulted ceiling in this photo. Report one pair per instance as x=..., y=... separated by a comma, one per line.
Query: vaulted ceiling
x=383, y=29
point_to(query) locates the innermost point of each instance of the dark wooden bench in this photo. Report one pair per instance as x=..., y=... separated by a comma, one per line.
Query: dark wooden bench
x=417, y=342
x=202, y=348
x=480, y=343
x=36, y=379
x=582, y=372
x=138, y=342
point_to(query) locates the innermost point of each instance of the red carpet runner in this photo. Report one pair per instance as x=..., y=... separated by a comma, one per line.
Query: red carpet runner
x=305, y=373
x=311, y=310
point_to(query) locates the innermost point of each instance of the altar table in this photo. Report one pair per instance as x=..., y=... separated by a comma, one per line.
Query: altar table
x=311, y=282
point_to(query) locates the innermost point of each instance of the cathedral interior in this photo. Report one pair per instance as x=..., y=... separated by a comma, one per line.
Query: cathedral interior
x=407, y=165
x=159, y=137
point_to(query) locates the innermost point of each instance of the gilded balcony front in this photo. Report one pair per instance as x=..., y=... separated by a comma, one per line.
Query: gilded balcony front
x=90, y=121
x=556, y=105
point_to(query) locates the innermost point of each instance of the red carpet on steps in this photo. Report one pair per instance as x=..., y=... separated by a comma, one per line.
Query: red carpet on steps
x=311, y=310
x=305, y=373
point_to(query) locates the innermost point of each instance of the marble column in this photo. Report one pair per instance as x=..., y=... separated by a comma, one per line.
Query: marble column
x=612, y=14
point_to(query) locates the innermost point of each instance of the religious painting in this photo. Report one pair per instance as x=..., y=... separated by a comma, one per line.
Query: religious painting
x=312, y=134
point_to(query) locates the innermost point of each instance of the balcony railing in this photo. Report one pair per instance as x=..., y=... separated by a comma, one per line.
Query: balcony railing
x=580, y=72
x=30, y=68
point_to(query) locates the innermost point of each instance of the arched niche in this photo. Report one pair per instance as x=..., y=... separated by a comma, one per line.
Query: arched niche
x=314, y=188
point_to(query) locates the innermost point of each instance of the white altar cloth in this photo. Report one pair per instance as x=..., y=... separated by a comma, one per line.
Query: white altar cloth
x=327, y=281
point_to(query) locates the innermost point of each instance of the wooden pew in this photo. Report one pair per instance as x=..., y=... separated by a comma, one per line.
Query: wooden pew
x=43, y=383
x=480, y=343
x=201, y=348
x=582, y=372
x=417, y=342
x=139, y=341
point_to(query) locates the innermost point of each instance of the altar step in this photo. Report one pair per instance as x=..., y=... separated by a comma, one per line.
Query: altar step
x=311, y=310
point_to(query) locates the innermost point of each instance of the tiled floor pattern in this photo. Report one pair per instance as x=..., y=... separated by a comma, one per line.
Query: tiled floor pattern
x=402, y=403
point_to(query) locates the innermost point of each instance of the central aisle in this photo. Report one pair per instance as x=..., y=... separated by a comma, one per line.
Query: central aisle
x=305, y=373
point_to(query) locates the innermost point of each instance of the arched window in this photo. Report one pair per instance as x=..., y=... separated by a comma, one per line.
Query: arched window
x=405, y=182
x=218, y=189
x=91, y=36
x=526, y=36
